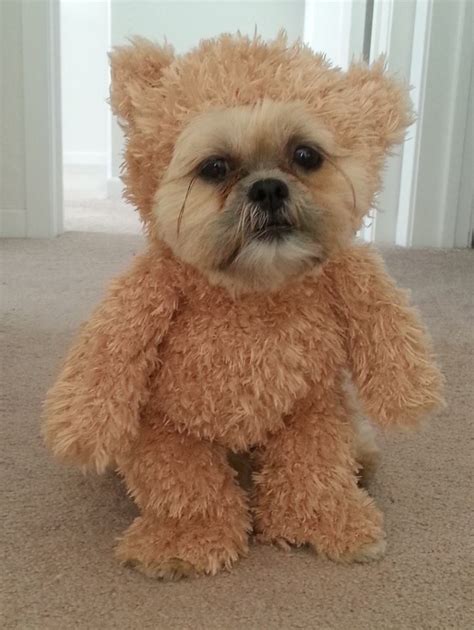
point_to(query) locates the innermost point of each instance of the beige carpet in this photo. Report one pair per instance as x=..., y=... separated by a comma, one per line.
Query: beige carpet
x=58, y=527
x=100, y=215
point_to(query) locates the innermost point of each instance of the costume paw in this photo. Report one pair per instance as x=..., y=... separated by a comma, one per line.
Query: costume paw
x=169, y=570
x=368, y=552
x=362, y=541
x=349, y=529
x=171, y=549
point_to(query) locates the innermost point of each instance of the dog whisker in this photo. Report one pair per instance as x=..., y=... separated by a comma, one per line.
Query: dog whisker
x=181, y=212
x=344, y=175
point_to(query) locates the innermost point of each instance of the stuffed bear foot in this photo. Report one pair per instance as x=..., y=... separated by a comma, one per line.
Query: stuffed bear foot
x=345, y=528
x=169, y=570
x=170, y=549
x=369, y=552
x=366, y=552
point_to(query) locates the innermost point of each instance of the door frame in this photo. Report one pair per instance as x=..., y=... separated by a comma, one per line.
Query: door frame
x=42, y=110
x=38, y=46
x=433, y=205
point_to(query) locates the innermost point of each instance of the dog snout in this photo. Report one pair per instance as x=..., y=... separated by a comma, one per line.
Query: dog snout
x=269, y=193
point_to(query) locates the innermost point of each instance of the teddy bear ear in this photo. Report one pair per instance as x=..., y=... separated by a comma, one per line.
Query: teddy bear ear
x=382, y=106
x=135, y=68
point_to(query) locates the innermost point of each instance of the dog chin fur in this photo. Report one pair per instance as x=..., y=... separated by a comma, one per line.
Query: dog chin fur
x=267, y=265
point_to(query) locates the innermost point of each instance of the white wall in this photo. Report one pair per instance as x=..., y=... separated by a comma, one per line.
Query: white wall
x=84, y=80
x=184, y=23
x=336, y=28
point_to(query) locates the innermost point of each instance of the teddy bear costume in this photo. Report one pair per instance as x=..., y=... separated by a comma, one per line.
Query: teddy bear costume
x=171, y=372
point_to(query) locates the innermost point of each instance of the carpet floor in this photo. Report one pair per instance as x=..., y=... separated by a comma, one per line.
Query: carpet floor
x=58, y=526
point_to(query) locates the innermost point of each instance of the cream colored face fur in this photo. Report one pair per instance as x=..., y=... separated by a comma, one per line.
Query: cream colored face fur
x=215, y=225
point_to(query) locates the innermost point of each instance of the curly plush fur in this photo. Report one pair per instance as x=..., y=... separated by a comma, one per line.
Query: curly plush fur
x=177, y=368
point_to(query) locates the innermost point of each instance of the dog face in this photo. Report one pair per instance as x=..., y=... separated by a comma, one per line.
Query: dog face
x=255, y=195
x=252, y=160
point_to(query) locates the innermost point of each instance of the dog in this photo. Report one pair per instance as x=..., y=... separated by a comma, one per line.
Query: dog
x=253, y=317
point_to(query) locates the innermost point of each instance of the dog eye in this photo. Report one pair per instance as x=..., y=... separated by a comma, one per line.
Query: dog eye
x=214, y=169
x=308, y=158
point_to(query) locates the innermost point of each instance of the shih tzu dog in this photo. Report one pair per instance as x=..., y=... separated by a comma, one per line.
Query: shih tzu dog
x=252, y=165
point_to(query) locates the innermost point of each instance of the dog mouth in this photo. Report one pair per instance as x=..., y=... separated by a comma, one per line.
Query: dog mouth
x=273, y=230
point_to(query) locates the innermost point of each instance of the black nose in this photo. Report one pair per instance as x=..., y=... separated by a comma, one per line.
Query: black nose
x=269, y=193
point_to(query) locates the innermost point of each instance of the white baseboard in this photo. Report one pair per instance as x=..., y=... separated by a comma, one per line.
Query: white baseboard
x=84, y=158
x=12, y=223
x=114, y=188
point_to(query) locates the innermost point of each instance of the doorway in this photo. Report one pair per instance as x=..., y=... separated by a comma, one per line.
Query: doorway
x=92, y=141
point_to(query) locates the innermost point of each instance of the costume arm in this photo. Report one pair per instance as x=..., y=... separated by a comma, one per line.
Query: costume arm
x=389, y=351
x=93, y=409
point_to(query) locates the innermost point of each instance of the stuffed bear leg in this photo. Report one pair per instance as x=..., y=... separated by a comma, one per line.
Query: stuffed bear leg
x=194, y=517
x=306, y=488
